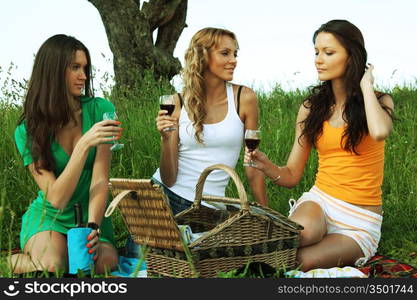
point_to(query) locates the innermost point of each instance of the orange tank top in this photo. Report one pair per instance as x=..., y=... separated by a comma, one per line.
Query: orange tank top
x=356, y=179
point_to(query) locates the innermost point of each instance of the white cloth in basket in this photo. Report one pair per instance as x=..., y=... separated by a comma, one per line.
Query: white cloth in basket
x=187, y=234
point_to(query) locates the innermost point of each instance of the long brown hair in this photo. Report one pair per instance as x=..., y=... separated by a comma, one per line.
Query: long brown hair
x=47, y=107
x=196, y=62
x=321, y=97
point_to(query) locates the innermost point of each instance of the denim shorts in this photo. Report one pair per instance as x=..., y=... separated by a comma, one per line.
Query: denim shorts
x=177, y=203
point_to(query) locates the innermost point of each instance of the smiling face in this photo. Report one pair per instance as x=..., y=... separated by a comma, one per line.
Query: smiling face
x=222, y=59
x=331, y=57
x=75, y=74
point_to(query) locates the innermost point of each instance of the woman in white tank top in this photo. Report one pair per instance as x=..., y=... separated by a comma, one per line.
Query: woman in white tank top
x=209, y=129
x=209, y=122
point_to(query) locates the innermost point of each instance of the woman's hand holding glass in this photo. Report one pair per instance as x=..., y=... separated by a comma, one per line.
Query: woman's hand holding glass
x=101, y=132
x=113, y=116
x=164, y=121
x=167, y=107
x=252, y=140
x=259, y=159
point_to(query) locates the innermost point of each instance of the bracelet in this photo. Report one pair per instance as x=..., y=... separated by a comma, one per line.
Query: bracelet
x=276, y=178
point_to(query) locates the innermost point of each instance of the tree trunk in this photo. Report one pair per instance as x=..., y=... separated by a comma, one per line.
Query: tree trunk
x=130, y=30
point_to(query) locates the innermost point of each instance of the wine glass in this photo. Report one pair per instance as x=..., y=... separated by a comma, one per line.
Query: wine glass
x=252, y=140
x=113, y=116
x=167, y=102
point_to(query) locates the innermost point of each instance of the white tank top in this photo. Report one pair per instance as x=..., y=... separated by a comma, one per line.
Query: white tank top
x=222, y=144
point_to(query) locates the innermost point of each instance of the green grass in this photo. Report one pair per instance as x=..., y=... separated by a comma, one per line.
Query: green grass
x=140, y=158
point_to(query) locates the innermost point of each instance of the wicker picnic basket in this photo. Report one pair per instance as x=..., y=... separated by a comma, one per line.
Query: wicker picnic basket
x=231, y=238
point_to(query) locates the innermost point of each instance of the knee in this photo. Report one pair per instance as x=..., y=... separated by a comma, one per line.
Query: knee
x=106, y=261
x=53, y=263
x=24, y=263
x=110, y=260
x=310, y=235
x=106, y=264
x=305, y=261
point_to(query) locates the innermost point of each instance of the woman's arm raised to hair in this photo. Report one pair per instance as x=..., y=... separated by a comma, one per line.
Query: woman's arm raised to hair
x=378, y=119
x=168, y=164
x=59, y=190
x=249, y=112
x=289, y=175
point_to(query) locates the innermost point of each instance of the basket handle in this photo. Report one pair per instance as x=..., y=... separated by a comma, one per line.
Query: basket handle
x=115, y=202
x=232, y=173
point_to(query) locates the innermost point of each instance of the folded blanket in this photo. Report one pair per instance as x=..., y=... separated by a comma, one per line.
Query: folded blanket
x=381, y=266
x=130, y=267
x=187, y=235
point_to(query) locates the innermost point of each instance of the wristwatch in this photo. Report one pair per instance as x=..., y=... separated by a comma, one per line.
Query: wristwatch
x=93, y=225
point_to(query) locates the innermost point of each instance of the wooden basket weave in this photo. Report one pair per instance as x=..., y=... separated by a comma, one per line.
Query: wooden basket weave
x=232, y=237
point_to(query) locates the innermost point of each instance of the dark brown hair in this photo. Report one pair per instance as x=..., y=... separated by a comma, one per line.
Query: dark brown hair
x=47, y=106
x=321, y=97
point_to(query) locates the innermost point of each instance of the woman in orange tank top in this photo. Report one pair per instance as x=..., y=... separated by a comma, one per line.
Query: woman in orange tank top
x=347, y=122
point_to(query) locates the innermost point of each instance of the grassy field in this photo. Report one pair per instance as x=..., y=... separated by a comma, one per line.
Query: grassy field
x=140, y=158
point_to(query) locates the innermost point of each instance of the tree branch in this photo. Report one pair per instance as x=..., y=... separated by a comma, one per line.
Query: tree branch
x=159, y=12
x=169, y=33
x=130, y=38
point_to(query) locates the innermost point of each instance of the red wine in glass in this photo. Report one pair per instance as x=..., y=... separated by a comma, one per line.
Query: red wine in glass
x=252, y=144
x=168, y=107
x=167, y=102
x=113, y=116
x=252, y=140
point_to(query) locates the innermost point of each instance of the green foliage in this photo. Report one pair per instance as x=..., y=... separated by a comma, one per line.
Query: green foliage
x=140, y=158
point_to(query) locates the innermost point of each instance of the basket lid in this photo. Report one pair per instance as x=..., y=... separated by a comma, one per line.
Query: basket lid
x=145, y=210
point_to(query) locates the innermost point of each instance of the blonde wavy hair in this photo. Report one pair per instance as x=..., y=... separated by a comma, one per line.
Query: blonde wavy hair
x=196, y=62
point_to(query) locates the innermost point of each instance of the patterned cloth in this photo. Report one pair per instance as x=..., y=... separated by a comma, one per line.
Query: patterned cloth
x=336, y=272
x=381, y=266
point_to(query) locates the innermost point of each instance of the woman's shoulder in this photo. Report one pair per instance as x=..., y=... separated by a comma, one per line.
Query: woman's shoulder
x=304, y=110
x=244, y=93
x=20, y=130
x=21, y=125
x=94, y=107
x=243, y=88
x=97, y=104
x=20, y=136
x=96, y=101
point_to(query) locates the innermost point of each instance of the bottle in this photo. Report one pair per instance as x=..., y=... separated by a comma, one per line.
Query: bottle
x=78, y=215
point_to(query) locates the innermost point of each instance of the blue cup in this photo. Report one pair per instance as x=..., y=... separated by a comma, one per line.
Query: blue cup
x=78, y=256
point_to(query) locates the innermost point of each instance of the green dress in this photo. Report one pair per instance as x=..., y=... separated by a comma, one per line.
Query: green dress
x=41, y=215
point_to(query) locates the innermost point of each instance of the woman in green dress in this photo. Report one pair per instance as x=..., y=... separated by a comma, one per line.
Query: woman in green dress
x=66, y=146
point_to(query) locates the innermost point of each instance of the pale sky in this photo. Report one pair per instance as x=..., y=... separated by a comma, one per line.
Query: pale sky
x=275, y=36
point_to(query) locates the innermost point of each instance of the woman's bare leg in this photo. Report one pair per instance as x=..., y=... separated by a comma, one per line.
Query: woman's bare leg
x=45, y=251
x=332, y=251
x=310, y=215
